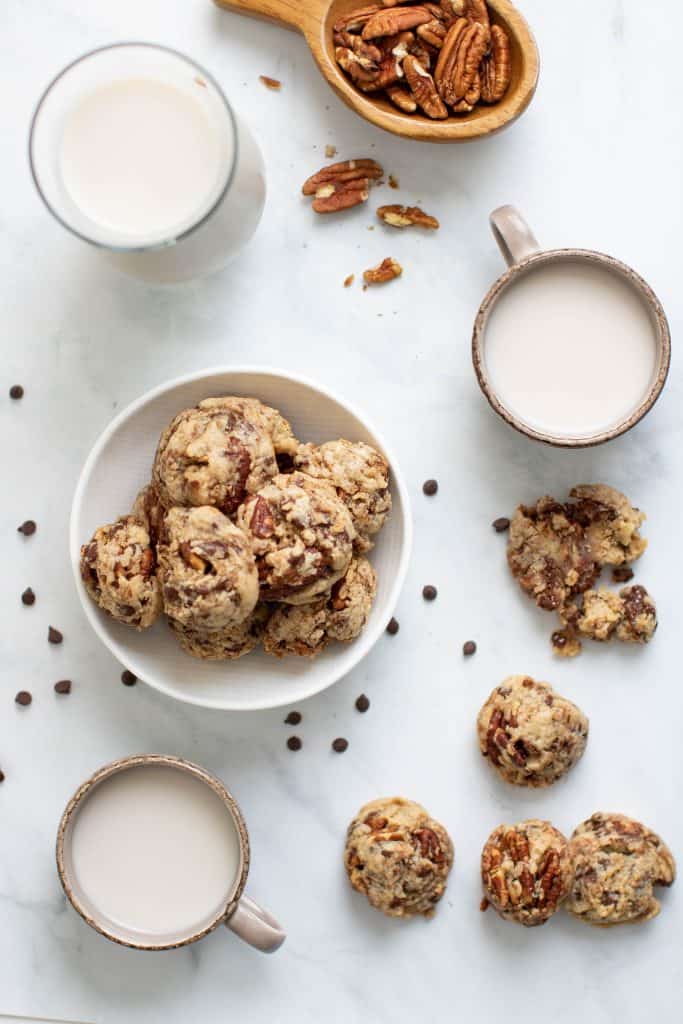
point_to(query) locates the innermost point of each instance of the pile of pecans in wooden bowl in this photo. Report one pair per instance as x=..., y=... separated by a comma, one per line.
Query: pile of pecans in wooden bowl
x=444, y=58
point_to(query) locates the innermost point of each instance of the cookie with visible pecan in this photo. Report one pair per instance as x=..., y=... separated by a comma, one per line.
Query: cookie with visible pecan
x=530, y=734
x=225, y=644
x=617, y=862
x=398, y=856
x=117, y=568
x=526, y=871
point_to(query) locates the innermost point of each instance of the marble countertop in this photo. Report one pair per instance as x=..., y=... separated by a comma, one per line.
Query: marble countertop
x=597, y=162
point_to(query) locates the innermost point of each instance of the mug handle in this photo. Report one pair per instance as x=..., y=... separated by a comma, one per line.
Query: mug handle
x=256, y=926
x=515, y=238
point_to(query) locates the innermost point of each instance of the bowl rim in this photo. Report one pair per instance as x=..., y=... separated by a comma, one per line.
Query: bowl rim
x=365, y=642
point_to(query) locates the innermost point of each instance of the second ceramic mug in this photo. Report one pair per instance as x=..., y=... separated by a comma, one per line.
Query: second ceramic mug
x=153, y=853
x=570, y=346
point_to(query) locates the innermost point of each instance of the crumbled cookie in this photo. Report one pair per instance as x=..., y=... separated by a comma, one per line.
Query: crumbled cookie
x=630, y=615
x=529, y=733
x=117, y=569
x=639, y=618
x=206, y=569
x=306, y=629
x=360, y=475
x=398, y=856
x=600, y=614
x=526, y=871
x=610, y=523
x=150, y=512
x=565, y=643
x=616, y=863
x=212, y=456
x=302, y=537
x=223, y=644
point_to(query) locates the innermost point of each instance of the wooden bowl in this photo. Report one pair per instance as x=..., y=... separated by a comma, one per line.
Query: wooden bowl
x=315, y=18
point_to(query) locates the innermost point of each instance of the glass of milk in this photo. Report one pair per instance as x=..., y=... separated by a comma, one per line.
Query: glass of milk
x=135, y=149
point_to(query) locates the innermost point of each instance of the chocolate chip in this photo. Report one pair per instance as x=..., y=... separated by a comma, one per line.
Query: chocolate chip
x=24, y=698
x=63, y=686
x=339, y=745
x=623, y=574
x=294, y=743
x=393, y=627
x=429, y=593
x=469, y=648
x=501, y=525
x=16, y=391
x=127, y=678
x=293, y=718
x=54, y=636
x=28, y=597
x=285, y=462
x=362, y=703
x=430, y=487
x=28, y=528
x=2, y=775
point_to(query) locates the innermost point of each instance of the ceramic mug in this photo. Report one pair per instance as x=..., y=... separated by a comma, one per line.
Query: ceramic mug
x=158, y=860
x=525, y=259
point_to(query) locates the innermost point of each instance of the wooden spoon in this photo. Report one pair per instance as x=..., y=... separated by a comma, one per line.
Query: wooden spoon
x=315, y=18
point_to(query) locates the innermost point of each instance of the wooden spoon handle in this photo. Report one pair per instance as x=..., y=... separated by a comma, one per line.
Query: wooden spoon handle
x=290, y=13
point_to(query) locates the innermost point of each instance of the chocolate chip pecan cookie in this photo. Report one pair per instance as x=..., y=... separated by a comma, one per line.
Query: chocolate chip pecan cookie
x=526, y=871
x=117, y=569
x=302, y=537
x=398, y=856
x=206, y=569
x=224, y=644
x=360, y=475
x=149, y=510
x=212, y=455
x=268, y=420
x=306, y=629
x=529, y=733
x=616, y=863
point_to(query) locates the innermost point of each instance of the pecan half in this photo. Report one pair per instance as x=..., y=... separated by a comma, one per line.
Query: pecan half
x=355, y=20
x=457, y=68
x=433, y=32
x=335, y=196
x=346, y=170
x=496, y=69
x=191, y=558
x=423, y=88
x=401, y=98
x=385, y=271
x=360, y=69
x=406, y=216
x=389, y=21
x=390, y=71
x=477, y=11
x=262, y=524
x=368, y=51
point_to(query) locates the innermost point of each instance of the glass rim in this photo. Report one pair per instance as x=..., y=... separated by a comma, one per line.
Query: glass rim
x=173, y=239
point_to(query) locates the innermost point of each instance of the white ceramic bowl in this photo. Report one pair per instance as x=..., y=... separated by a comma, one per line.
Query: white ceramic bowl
x=119, y=465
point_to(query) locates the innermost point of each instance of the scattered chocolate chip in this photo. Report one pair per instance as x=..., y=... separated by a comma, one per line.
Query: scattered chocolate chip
x=294, y=743
x=54, y=636
x=28, y=528
x=469, y=648
x=127, y=678
x=293, y=718
x=362, y=703
x=24, y=698
x=63, y=686
x=429, y=593
x=28, y=597
x=393, y=627
x=501, y=525
x=622, y=574
x=430, y=487
x=339, y=745
x=16, y=391
x=285, y=462
x=2, y=775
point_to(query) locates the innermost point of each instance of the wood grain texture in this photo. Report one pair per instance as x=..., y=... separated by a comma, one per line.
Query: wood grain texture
x=315, y=18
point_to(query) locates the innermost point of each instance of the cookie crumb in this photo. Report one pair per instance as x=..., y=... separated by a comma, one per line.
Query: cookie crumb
x=23, y=698
x=469, y=648
x=270, y=83
x=393, y=181
x=362, y=703
x=63, y=686
x=501, y=525
x=294, y=743
x=430, y=487
x=54, y=636
x=340, y=745
x=28, y=528
x=28, y=597
x=293, y=718
x=348, y=281
x=330, y=151
x=393, y=627
x=128, y=679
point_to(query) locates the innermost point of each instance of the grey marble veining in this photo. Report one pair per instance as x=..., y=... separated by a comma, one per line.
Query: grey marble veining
x=596, y=162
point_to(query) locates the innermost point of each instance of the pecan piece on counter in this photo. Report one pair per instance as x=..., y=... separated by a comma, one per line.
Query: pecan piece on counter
x=385, y=271
x=389, y=21
x=401, y=98
x=423, y=88
x=496, y=68
x=406, y=216
x=270, y=83
x=334, y=196
x=355, y=20
x=342, y=185
x=457, y=68
x=346, y=170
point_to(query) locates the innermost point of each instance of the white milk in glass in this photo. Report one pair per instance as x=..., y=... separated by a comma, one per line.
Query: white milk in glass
x=136, y=150
x=570, y=348
x=155, y=851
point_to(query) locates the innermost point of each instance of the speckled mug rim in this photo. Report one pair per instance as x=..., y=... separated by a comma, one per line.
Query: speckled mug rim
x=145, y=760
x=662, y=334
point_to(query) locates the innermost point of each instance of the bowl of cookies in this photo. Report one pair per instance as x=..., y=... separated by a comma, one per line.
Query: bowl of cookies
x=239, y=538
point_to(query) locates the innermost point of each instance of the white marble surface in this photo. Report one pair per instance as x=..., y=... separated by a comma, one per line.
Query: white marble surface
x=597, y=161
